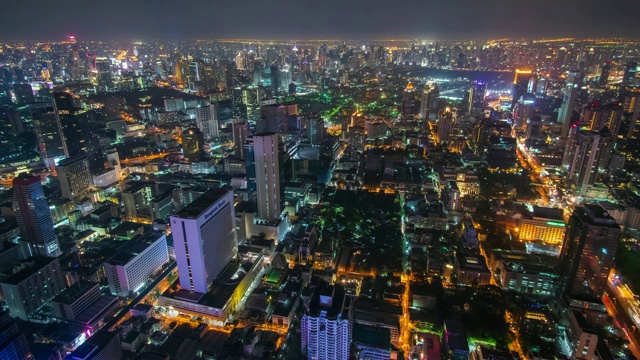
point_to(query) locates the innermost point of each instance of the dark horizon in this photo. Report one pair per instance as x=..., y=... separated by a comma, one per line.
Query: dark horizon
x=174, y=20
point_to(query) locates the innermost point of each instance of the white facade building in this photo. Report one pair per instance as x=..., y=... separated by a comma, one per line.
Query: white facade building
x=204, y=238
x=207, y=121
x=141, y=257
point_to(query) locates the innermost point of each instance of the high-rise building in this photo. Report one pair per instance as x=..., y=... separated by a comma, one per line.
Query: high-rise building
x=204, y=237
x=34, y=217
x=50, y=140
x=273, y=118
x=192, y=144
x=632, y=109
x=74, y=176
x=408, y=101
x=477, y=93
x=315, y=131
x=596, y=117
x=630, y=72
x=207, y=121
x=589, y=159
x=325, y=328
x=589, y=251
x=566, y=109
x=13, y=343
x=266, y=149
x=130, y=268
x=446, y=121
x=137, y=201
x=104, y=76
x=604, y=74
x=24, y=93
x=240, y=135
x=33, y=284
x=521, y=84
x=72, y=121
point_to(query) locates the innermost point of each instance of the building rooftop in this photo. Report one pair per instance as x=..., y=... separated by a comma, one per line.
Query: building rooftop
x=134, y=247
x=548, y=213
x=31, y=266
x=375, y=336
x=99, y=340
x=202, y=203
x=73, y=293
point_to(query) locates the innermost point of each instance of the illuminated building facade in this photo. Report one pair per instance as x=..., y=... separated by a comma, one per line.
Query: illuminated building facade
x=589, y=251
x=267, y=168
x=131, y=267
x=545, y=224
x=34, y=217
x=205, y=240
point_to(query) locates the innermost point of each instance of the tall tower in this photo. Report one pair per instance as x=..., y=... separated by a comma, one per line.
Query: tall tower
x=207, y=121
x=240, y=134
x=192, y=144
x=589, y=251
x=591, y=155
x=68, y=117
x=445, y=125
x=566, y=109
x=34, y=217
x=266, y=149
x=205, y=239
x=520, y=84
x=74, y=176
x=407, y=101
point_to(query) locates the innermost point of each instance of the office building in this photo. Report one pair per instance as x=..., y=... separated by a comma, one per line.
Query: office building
x=266, y=149
x=83, y=304
x=207, y=121
x=103, y=345
x=315, y=131
x=589, y=251
x=566, y=109
x=204, y=237
x=137, y=201
x=596, y=117
x=521, y=84
x=589, y=159
x=630, y=73
x=455, y=342
x=13, y=343
x=477, y=93
x=35, y=282
x=74, y=176
x=192, y=144
x=129, y=269
x=72, y=120
x=543, y=224
x=325, y=328
x=240, y=135
x=50, y=139
x=446, y=122
x=584, y=340
x=408, y=101
x=273, y=118
x=34, y=217
x=24, y=93
x=429, y=101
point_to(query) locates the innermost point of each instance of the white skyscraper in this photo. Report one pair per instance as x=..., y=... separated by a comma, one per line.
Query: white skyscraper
x=267, y=165
x=207, y=121
x=325, y=330
x=204, y=238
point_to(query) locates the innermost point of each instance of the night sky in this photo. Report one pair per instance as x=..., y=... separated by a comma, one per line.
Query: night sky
x=306, y=19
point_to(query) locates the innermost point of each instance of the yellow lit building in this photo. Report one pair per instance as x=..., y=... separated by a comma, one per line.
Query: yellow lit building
x=544, y=224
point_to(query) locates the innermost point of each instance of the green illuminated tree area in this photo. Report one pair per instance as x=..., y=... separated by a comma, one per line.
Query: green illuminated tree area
x=369, y=224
